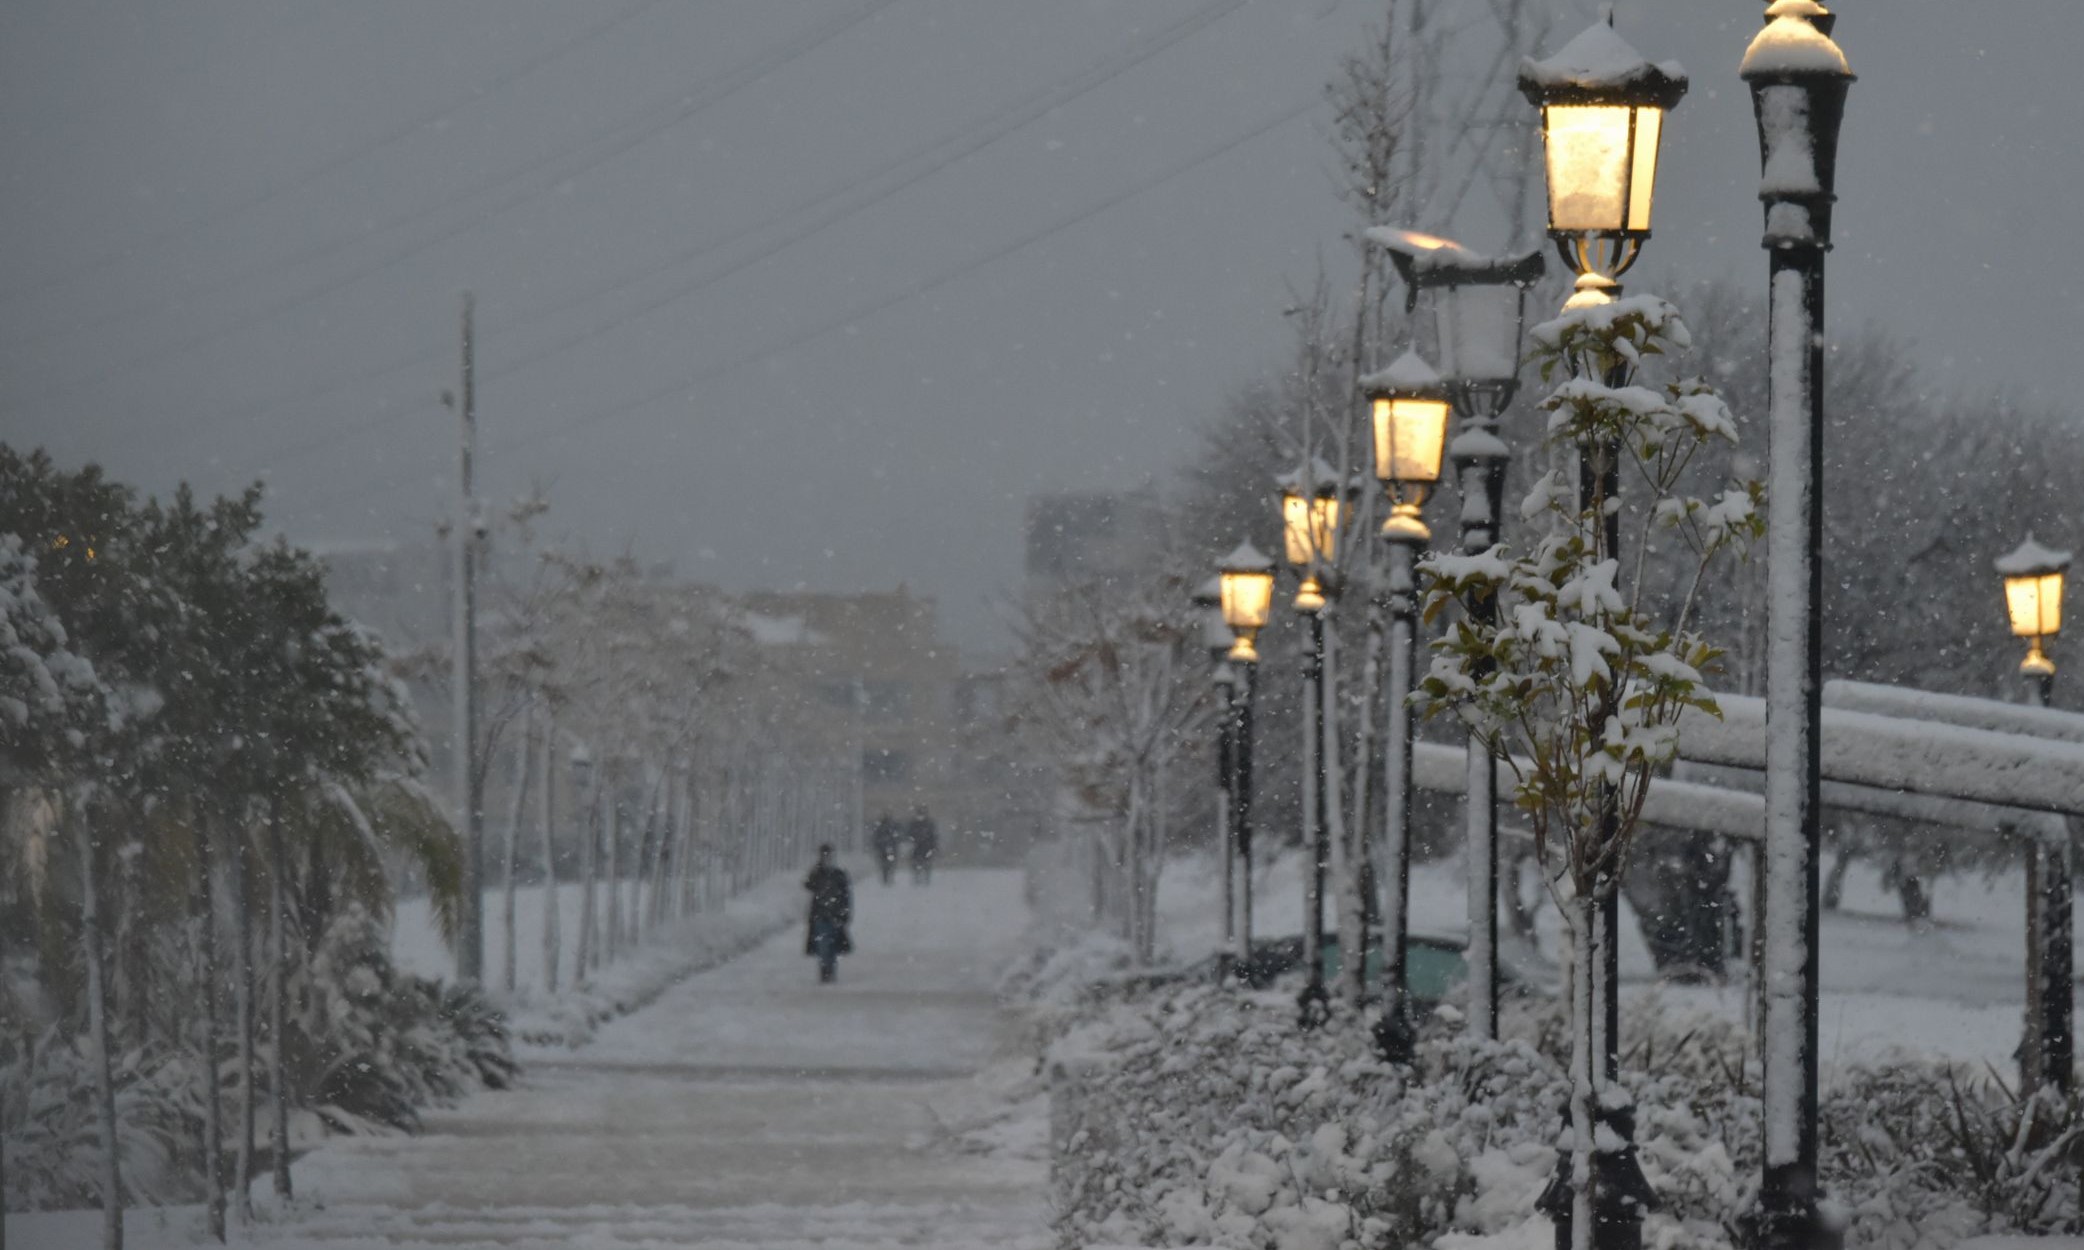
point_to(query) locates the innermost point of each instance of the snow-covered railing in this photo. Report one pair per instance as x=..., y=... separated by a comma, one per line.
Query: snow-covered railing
x=1671, y=802
x=1921, y=757
x=1954, y=709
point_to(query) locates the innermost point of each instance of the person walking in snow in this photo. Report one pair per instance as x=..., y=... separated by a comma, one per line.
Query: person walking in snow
x=926, y=842
x=885, y=840
x=831, y=911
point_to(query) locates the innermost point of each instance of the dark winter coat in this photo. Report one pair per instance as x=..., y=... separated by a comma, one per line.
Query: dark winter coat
x=831, y=902
x=886, y=838
x=925, y=839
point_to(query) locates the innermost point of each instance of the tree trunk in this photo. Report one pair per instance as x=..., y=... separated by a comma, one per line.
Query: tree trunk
x=1584, y=1065
x=611, y=821
x=278, y=996
x=588, y=813
x=546, y=809
x=242, y=998
x=1679, y=889
x=1345, y=884
x=524, y=746
x=1834, y=881
x=205, y=904
x=104, y=1049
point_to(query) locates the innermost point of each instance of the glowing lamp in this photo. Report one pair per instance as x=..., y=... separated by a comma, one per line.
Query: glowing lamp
x=1310, y=526
x=2033, y=595
x=1247, y=592
x=1602, y=117
x=1409, y=403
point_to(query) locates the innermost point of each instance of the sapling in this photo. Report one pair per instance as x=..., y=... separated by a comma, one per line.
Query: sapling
x=1579, y=683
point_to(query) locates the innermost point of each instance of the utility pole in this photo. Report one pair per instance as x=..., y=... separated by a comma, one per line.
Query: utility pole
x=470, y=958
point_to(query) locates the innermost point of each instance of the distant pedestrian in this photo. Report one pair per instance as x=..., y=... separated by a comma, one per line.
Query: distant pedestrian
x=831, y=911
x=886, y=840
x=926, y=843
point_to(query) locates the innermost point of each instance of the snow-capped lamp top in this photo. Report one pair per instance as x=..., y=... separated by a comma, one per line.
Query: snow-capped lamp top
x=1602, y=120
x=1408, y=373
x=1796, y=42
x=1316, y=477
x=1599, y=67
x=2033, y=577
x=2031, y=559
x=1248, y=596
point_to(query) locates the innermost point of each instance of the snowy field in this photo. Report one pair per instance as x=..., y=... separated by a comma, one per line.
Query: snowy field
x=748, y=1106
x=1957, y=988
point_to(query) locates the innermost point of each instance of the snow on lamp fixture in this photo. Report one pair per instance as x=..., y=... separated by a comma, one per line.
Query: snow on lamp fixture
x=1602, y=120
x=1409, y=404
x=2033, y=594
x=1247, y=582
x=1479, y=311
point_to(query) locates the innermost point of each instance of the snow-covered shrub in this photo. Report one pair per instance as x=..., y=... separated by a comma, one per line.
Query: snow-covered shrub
x=1198, y=1116
x=52, y=1134
x=371, y=1047
x=1922, y=1153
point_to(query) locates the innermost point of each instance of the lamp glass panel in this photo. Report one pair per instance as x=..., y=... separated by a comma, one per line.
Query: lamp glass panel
x=1588, y=163
x=1295, y=527
x=1642, y=181
x=1248, y=599
x=1410, y=435
x=1324, y=527
x=1479, y=327
x=2022, y=597
x=2050, y=597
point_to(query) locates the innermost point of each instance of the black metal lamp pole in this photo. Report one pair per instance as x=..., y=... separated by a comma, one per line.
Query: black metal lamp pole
x=1798, y=80
x=1245, y=590
x=1408, y=408
x=2033, y=579
x=1394, y=1035
x=1226, y=731
x=1313, y=1005
x=1241, y=811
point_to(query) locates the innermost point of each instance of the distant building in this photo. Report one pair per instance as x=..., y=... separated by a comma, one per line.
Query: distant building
x=872, y=676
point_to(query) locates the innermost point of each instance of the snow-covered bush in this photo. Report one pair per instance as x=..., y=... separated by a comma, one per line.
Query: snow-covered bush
x=52, y=1138
x=1197, y=1116
x=371, y=1047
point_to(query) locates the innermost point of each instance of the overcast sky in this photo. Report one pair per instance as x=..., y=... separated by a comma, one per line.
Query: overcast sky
x=819, y=293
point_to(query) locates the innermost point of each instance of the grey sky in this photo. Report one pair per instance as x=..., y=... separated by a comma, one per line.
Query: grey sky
x=722, y=313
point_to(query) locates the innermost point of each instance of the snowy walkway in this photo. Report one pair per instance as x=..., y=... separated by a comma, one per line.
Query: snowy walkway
x=748, y=1107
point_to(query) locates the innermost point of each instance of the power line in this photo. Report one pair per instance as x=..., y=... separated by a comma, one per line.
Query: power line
x=913, y=291
x=737, y=81
x=951, y=148
x=220, y=216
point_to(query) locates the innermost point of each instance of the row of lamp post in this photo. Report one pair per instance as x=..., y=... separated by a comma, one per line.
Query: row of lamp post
x=1602, y=111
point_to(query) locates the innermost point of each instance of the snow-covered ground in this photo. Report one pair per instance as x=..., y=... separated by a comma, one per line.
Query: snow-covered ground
x=747, y=1106
x=1957, y=988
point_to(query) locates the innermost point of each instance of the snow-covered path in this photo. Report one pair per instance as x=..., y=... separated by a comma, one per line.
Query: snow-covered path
x=748, y=1107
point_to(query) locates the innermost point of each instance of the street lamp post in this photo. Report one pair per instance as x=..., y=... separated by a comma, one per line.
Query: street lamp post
x=1247, y=590
x=1408, y=405
x=2033, y=577
x=1480, y=311
x=1310, y=499
x=1217, y=636
x=1798, y=80
x=1602, y=125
